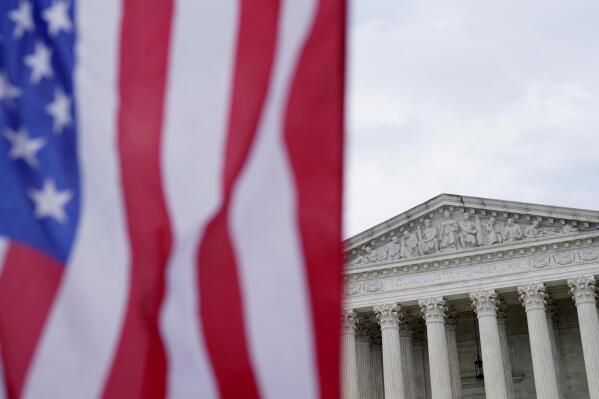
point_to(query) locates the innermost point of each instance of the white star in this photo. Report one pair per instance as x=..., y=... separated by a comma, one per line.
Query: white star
x=57, y=17
x=60, y=110
x=49, y=202
x=24, y=147
x=22, y=18
x=8, y=92
x=39, y=62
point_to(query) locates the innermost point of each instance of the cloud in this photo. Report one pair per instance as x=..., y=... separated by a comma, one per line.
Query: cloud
x=491, y=99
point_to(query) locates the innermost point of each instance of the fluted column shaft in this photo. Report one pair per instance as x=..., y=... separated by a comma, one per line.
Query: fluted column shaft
x=533, y=300
x=485, y=306
x=433, y=310
x=392, y=375
x=420, y=382
x=452, y=352
x=584, y=292
x=407, y=358
x=349, y=373
x=376, y=371
x=551, y=314
x=363, y=359
x=505, y=352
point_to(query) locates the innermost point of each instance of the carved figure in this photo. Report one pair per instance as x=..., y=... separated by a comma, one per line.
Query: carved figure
x=371, y=256
x=512, y=231
x=468, y=233
x=532, y=231
x=479, y=231
x=569, y=228
x=429, y=239
x=374, y=286
x=491, y=234
x=352, y=289
x=409, y=245
x=449, y=233
x=391, y=250
x=358, y=259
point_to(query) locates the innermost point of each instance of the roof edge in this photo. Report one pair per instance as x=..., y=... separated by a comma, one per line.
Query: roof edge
x=474, y=202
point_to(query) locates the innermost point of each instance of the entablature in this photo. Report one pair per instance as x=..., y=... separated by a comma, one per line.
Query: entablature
x=546, y=259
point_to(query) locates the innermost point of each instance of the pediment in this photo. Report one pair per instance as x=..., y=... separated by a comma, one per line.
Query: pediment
x=452, y=224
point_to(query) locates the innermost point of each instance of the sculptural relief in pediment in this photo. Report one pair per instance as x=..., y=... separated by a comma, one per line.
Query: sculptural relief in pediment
x=447, y=231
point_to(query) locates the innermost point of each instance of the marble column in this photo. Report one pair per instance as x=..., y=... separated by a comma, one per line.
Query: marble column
x=433, y=310
x=485, y=306
x=363, y=358
x=584, y=292
x=532, y=297
x=552, y=319
x=505, y=349
x=388, y=316
x=376, y=364
x=451, y=322
x=349, y=373
x=407, y=356
x=418, y=344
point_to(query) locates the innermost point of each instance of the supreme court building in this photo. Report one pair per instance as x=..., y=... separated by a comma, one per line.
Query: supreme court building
x=464, y=297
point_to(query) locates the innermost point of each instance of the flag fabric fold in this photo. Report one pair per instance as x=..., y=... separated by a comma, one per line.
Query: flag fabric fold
x=170, y=198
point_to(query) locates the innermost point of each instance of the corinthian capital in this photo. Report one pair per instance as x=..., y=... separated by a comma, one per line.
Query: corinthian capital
x=484, y=303
x=501, y=310
x=533, y=296
x=363, y=330
x=551, y=310
x=433, y=309
x=349, y=320
x=406, y=326
x=583, y=289
x=388, y=315
x=451, y=319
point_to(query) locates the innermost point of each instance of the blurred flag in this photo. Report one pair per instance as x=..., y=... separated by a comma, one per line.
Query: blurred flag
x=170, y=198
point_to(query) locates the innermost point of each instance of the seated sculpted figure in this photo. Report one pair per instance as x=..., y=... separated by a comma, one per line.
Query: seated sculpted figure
x=409, y=246
x=512, y=231
x=429, y=240
x=491, y=233
x=371, y=256
x=468, y=232
x=568, y=228
x=449, y=233
x=391, y=250
x=532, y=231
x=358, y=259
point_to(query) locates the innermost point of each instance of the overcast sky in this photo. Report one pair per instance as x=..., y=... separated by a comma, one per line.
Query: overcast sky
x=495, y=99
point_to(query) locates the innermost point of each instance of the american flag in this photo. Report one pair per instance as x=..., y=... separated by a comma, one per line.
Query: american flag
x=170, y=198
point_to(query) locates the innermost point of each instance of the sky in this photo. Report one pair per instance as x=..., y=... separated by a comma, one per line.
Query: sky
x=495, y=99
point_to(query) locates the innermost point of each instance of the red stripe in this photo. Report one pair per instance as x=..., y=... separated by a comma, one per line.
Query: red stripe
x=314, y=137
x=220, y=298
x=139, y=368
x=28, y=285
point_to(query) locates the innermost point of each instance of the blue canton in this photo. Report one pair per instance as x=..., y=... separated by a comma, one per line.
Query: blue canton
x=39, y=170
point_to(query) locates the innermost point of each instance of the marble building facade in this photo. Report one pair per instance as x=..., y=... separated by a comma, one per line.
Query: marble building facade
x=455, y=278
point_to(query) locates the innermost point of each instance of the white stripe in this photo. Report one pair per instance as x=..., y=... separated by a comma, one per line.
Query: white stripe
x=2, y=383
x=78, y=343
x=266, y=237
x=3, y=248
x=200, y=80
